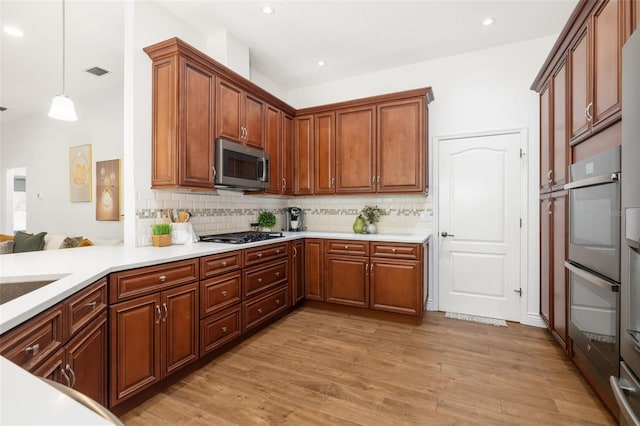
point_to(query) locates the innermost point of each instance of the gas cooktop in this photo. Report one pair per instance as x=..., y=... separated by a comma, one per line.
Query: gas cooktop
x=240, y=237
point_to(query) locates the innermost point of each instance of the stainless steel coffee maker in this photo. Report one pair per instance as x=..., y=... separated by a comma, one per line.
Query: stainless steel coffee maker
x=295, y=220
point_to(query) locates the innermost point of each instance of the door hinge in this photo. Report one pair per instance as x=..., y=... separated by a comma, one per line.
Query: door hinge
x=520, y=222
x=519, y=291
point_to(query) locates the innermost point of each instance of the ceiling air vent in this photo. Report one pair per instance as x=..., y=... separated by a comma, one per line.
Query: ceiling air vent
x=97, y=71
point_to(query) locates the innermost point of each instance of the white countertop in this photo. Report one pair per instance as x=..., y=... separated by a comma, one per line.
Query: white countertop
x=27, y=400
x=77, y=268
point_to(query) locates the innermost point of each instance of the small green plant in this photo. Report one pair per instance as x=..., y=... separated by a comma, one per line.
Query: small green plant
x=266, y=219
x=372, y=213
x=161, y=228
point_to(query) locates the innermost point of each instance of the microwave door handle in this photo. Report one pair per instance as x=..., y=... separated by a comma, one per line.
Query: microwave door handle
x=264, y=169
x=595, y=180
x=618, y=389
x=592, y=278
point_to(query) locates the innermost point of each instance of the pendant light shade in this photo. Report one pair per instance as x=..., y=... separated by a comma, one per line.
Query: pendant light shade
x=62, y=109
x=62, y=106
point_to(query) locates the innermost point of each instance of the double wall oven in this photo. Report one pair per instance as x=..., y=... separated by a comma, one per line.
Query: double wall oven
x=594, y=261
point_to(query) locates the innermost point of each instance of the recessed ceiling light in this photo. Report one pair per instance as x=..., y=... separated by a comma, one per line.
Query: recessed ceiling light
x=13, y=31
x=487, y=21
x=268, y=10
x=321, y=63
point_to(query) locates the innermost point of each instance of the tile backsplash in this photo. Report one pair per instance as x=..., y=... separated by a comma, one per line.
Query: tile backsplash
x=231, y=211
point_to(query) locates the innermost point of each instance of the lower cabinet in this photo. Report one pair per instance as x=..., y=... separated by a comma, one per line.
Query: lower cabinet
x=314, y=267
x=296, y=277
x=347, y=280
x=259, y=309
x=219, y=329
x=151, y=337
x=396, y=286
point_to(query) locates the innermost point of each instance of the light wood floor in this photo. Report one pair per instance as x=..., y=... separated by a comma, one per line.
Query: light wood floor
x=319, y=367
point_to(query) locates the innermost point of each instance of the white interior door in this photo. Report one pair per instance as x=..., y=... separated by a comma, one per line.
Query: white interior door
x=479, y=225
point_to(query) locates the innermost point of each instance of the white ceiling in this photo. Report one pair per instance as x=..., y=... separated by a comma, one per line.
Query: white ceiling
x=353, y=37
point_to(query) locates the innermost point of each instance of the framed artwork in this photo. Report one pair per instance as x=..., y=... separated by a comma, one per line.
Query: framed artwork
x=80, y=174
x=108, y=191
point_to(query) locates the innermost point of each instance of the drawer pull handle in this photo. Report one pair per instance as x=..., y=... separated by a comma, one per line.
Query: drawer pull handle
x=277, y=301
x=224, y=263
x=166, y=312
x=91, y=305
x=259, y=310
x=159, y=314
x=224, y=329
x=259, y=280
x=66, y=378
x=32, y=349
x=162, y=278
x=72, y=375
x=259, y=255
x=223, y=292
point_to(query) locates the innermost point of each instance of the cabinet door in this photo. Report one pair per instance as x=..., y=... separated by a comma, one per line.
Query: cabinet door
x=607, y=54
x=86, y=360
x=180, y=327
x=303, y=161
x=396, y=286
x=559, y=274
x=314, y=266
x=134, y=346
x=324, y=150
x=273, y=147
x=545, y=259
x=288, y=178
x=580, y=92
x=52, y=368
x=545, y=138
x=635, y=5
x=197, y=139
x=355, y=150
x=296, y=282
x=560, y=140
x=401, y=141
x=254, y=121
x=229, y=100
x=164, y=145
x=347, y=280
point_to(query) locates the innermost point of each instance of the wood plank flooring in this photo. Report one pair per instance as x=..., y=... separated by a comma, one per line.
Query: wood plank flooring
x=317, y=367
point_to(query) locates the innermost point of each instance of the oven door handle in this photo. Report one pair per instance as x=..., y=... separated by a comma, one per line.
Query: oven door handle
x=618, y=392
x=592, y=278
x=595, y=180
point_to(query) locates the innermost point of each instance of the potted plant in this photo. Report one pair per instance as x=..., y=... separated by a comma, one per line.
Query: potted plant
x=266, y=220
x=161, y=234
x=372, y=215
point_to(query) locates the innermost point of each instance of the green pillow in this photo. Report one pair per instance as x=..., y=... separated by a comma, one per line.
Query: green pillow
x=23, y=242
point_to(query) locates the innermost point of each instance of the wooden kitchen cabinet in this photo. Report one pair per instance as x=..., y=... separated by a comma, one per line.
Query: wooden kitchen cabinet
x=314, y=269
x=273, y=146
x=396, y=286
x=355, y=150
x=545, y=259
x=297, y=275
x=401, y=146
x=182, y=123
x=240, y=115
x=347, y=280
x=303, y=155
x=560, y=141
x=287, y=147
x=325, y=153
x=546, y=129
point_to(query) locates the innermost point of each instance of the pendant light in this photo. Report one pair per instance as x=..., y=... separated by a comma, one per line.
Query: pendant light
x=62, y=106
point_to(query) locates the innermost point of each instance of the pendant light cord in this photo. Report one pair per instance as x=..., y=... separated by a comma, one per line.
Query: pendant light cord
x=63, y=48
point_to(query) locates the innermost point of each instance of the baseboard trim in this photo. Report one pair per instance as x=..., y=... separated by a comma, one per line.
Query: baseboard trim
x=534, y=320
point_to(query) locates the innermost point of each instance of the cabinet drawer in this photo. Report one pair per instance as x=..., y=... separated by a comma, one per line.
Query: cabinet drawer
x=220, y=263
x=137, y=282
x=216, y=330
x=86, y=305
x=219, y=292
x=358, y=248
x=262, y=254
x=396, y=250
x=262, y=308
x=30, y=343
x=260, y=279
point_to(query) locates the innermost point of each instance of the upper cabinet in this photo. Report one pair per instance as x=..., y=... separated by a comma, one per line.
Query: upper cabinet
x=273, y=141
x=241, y=116
x=355, y=149
x=303, y=156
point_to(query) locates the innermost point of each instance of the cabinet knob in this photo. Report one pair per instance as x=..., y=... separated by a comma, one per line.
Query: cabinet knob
x=277, y=274
x=162, y=278
x=223, y=292
x=277, y=251
x=277, y=301
x=224, y=329
x=32, y=350
x=91, y=305
x=259, y=280
x=259, y=310
x=393, y=250
x=346, y=247
x=259, y=255
x=224, y=263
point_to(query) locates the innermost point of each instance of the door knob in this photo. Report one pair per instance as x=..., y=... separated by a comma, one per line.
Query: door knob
x=446, y=234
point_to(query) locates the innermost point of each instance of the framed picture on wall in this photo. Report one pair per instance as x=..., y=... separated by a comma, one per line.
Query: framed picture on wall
x=80, y=174
x=108, y=190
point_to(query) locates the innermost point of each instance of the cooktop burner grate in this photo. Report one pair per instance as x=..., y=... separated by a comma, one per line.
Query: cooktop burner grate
x=240, y=237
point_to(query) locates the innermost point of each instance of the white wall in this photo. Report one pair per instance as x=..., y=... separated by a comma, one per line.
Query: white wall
x=478, y=91
x=41, y=144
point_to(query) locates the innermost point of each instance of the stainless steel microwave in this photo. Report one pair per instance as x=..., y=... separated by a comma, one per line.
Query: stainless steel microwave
x=240, y=167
